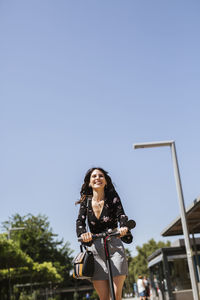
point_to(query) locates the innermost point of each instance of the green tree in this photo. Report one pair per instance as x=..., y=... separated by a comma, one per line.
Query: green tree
x=37, y=239
x=11, y=255
x=39, y=242
x=127, y=284
x=138, y=264
x=50, y=255
x=16, y=267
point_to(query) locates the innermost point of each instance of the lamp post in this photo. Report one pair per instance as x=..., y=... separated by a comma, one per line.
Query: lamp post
x=189, y=251
x=9, y=237
x=13, y=229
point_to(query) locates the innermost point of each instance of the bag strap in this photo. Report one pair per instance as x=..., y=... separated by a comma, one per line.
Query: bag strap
x=83, y=246
x=87, y=226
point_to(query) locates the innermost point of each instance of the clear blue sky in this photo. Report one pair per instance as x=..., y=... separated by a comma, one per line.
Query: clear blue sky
x=80, y=82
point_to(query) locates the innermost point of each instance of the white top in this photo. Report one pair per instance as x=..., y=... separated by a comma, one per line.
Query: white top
x=146, y=283
x=140, y=285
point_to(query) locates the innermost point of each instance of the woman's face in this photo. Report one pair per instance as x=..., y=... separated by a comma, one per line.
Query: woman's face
x=97, y=180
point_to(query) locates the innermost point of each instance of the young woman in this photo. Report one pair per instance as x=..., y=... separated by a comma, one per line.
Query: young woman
x=104, y=212
x=141, y=288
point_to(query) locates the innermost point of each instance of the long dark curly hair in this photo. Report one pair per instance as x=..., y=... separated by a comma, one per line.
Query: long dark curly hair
x=86, y=190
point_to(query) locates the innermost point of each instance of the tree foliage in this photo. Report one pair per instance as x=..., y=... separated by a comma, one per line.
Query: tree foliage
x=138, y=265
x=33, y=254
x=37, y=239
x=39, y=242
x=37, y=272
x=16, y=267
x=128, y=282
x=11, y=255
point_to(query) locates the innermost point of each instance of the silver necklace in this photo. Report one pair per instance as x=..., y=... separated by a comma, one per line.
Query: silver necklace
x=99, y=204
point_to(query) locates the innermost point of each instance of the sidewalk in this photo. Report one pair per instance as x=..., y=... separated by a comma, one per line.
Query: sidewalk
x=132, y=298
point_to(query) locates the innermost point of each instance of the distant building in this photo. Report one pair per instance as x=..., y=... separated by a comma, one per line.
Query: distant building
x=169, y=273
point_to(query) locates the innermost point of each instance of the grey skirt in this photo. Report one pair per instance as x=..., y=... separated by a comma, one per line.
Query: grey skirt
x=118, y=259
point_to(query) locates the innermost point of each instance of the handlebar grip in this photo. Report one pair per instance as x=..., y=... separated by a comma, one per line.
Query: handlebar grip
x=131, y=224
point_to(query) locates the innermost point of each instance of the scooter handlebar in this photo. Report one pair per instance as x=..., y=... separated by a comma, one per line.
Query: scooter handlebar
x=130, y=224
x=102, y=235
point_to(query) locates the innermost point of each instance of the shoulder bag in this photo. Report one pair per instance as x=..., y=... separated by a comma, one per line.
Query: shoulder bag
x=83, y=263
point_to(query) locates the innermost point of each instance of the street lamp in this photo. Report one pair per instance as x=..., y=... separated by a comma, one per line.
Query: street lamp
x=189, y=251
x=9, y=236
x=14, y=229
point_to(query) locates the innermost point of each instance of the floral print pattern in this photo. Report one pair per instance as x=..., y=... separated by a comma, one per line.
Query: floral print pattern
x=112, y=214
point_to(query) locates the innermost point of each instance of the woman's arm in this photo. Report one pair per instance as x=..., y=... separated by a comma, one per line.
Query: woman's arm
x=81, y=224
x=119, y=212
x=122, y=219
x=81, y=220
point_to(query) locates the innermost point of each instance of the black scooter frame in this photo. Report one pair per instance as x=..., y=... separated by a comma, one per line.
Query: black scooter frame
x=106, y=238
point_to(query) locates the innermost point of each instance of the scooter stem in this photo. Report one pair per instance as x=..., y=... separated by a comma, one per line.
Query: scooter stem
x=110, y=277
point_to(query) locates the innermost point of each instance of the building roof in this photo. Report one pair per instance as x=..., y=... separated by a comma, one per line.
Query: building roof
x=193, y=221
x=175, y=251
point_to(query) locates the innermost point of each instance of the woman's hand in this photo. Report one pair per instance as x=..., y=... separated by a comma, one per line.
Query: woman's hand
x=86, y=237
x=123, y=231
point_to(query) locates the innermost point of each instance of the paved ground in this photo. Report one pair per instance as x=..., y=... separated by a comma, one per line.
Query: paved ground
x=133, y=298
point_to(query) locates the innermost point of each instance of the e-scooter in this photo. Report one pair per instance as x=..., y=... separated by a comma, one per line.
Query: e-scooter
x=106, y=238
